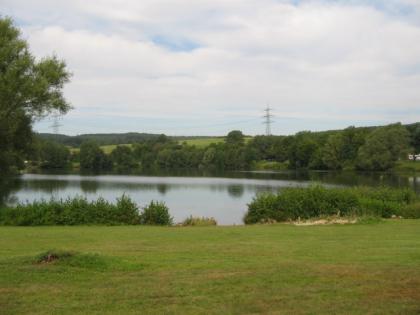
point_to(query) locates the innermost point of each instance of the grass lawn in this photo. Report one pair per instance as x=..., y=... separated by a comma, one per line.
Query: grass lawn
x=270, y=269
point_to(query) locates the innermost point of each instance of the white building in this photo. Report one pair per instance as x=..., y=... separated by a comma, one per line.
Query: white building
x=414, y=157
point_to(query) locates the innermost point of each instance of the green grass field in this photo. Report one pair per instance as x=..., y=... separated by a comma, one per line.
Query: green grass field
x=262, y=269
x=198, y=142
x=408, y=166
x=203, y=142
x=109, y=148
x=106, y=148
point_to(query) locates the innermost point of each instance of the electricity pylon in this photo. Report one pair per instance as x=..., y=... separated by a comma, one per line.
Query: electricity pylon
x=268, y=121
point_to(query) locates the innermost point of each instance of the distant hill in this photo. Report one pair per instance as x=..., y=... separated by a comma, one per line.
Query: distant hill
x=100, y=138
x=133, y=137
x=109, y=138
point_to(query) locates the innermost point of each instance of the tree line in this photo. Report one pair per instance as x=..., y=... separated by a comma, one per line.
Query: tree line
x=353, y=148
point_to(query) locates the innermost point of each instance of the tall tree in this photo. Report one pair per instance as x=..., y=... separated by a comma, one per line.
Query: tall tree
x=332, y=152
x=29, y=90
x=415, y=137
x=123, y=157
x=302, y=150
x=383, y=147
x=54, y=155
x=92, y=157
x=235, y=137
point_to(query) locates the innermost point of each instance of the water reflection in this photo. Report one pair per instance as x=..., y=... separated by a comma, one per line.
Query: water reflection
x=162, y=188
x=89, y=186
x=235, y=191
x=362, y=178
x=8, y=187
x=223, y=196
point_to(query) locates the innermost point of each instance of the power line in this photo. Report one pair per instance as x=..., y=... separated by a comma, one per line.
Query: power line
x=221, y=124
x=56, y=123
x=267, y=120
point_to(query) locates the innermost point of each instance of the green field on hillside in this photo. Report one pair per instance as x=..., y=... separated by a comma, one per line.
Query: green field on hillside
x=199, y=142
x=106, y=148
x=268, y=269
x=203, y=142
x=109, y=148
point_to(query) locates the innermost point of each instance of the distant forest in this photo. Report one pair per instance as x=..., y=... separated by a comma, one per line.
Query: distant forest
x=365, y=148
x=134, y=137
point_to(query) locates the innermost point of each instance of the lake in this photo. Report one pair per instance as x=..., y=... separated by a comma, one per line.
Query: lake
x=223, y=196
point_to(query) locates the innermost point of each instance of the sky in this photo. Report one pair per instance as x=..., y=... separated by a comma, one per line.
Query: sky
x=205, y=67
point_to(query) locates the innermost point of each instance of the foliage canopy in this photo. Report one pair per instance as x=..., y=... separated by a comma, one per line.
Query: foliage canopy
x=29, y=90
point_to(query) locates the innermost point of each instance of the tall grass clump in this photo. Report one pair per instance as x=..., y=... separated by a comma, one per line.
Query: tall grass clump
x=199, y=221
x=315, y=201
x=156, y=213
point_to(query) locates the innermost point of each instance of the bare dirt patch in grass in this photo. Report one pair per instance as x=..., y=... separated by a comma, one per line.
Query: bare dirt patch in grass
x=52, y=256
x=325, y=221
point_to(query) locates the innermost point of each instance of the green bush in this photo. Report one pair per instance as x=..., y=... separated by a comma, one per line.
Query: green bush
x=127, y=210
x=264, y=207
x=72, y=211
x=304, y=203
x=378, y=207
x=316, y=201
x=199, y=221
x=410, y=211
x=156, y=213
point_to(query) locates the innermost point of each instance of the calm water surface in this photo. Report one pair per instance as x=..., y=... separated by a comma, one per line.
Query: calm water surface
x=224, y=197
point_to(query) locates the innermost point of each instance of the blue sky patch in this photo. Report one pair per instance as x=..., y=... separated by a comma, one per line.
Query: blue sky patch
x=174, y=44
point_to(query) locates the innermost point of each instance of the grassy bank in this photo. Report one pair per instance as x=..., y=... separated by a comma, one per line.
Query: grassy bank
x=269, y=269
x=407, y=166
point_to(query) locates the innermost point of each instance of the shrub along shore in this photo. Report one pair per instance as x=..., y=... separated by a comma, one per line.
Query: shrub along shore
x=289, y=204
x=317, y=201
x=80, y=211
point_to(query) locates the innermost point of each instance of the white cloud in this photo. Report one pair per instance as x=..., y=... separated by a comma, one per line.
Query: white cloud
x=322, y=61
